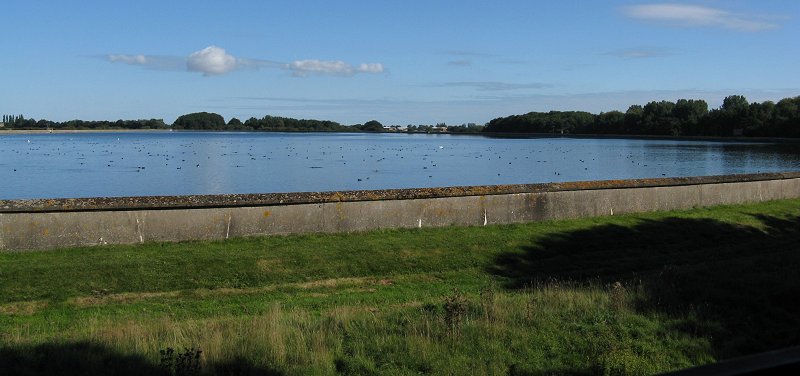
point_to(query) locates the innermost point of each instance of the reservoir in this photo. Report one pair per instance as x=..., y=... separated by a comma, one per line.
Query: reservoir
x=67, y=165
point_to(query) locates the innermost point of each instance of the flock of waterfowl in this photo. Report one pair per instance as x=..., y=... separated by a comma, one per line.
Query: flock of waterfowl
x=279, y=163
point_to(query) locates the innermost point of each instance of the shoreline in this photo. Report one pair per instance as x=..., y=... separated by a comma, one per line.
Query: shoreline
x=782, y=140
x=63, y=131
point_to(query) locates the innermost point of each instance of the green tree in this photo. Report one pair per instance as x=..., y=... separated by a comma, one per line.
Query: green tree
x=372, y=126
x=759, y=121
x=735, y=104
x=786, y=118
x=633, y=119
x=235, y=123
x=730, y=118
x=689, y=112
x=612, y=122
x=200, y=121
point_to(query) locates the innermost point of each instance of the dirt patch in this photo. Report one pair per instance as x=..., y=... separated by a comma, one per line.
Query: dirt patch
x=268, y=265
x=128, y=297
x=335, y=282
x=22, y=308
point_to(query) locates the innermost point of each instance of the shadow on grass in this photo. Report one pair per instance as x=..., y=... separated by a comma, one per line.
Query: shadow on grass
x=743, y=282
x=84, y=358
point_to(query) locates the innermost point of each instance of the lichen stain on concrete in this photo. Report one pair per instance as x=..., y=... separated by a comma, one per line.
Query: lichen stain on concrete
x=33, y=226
x=339, y=210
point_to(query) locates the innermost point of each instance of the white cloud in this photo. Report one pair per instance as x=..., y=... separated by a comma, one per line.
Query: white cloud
x=214, y=60
x=304, y=68
x=370, y=68
x=695, y=15
x=211, y=60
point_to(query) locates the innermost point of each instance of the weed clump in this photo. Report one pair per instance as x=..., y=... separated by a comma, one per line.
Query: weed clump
x=489, y=303
x=618, y=294
x=455, y=310
x=186, y=363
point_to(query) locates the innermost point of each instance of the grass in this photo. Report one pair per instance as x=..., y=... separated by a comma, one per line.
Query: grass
x=635, y=294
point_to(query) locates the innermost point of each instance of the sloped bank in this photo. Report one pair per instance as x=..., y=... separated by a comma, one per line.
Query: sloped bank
x=55, y=223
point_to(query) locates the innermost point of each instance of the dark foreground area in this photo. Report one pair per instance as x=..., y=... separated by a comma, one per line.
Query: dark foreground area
x=635, y=294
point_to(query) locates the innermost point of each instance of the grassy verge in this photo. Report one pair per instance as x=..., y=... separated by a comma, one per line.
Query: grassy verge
x=635, y=294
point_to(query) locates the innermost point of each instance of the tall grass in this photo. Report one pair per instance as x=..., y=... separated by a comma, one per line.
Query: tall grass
x=546, y=328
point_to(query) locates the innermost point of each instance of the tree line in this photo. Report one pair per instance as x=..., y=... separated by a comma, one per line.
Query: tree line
x=686, y=117
x=20, y=122
x=212, y=121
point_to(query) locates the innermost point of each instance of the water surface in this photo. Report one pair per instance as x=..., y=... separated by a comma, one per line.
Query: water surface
x=180, y=163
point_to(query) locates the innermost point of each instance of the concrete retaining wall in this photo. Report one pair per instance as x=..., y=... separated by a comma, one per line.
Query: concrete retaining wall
x=44, y=224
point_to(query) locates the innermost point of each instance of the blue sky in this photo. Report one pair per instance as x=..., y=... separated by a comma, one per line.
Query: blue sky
x=400, y=62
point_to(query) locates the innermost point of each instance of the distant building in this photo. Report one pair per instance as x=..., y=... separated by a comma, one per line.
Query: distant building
x=2, y=125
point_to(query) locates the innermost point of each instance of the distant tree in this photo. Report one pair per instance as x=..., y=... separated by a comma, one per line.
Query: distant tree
x=657, y=119
x=612, y=122
x=735, y=104
x=465, y=128
x=561, y=122
x=786, y=118
x=372, y=126
x=633, y=119
x=689, y=112
x=729, y=119
x=235, y=123
x=759, y=122
x=199, y=120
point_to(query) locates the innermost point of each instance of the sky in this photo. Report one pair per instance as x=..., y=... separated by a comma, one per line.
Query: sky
x=398, y=62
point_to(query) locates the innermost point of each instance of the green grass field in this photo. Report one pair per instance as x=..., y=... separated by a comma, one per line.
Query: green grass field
x=635, y=294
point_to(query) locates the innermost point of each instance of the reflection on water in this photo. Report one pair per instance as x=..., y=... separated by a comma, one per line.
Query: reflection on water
x=178, y=163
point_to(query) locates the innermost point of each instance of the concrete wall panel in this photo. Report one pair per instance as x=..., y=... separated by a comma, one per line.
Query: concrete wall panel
x=45, y=224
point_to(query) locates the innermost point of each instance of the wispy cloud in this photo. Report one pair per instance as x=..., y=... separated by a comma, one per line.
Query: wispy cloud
x=468, y=53
x=302, y=68
x=213, y=60
x=641, y=53
x=129, y=59
x=493, y=85
x=477, y=108
x=685, y=15
x=460, y=63
x=171, y=63
x=466, y=58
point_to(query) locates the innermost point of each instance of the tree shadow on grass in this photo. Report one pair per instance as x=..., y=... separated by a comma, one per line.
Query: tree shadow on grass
x=746, y=280
x=85, y=358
